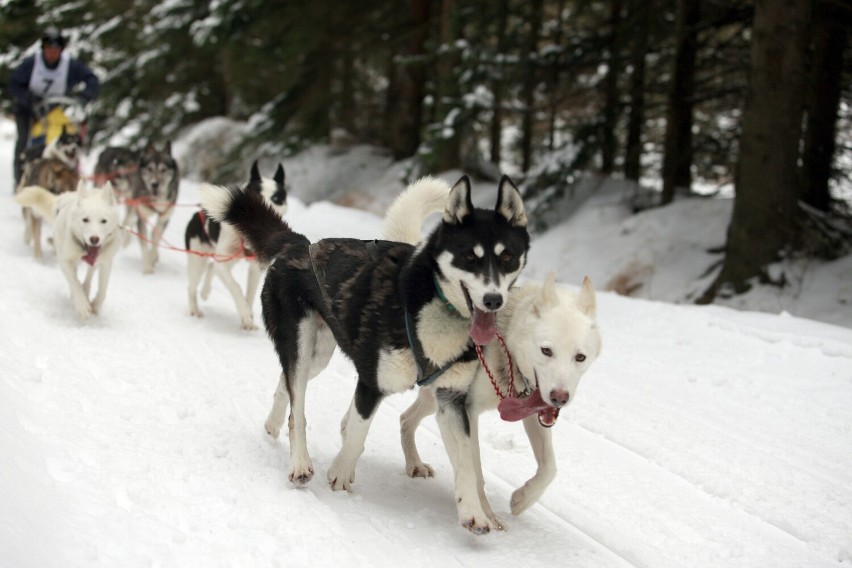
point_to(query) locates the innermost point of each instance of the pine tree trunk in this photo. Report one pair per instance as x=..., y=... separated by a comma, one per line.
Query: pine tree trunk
x=497, y=87
x=407, y=86
x=823, y=102
x=447, y=142
x=765, y=217
x=528, y=89
x=611, y=94
x=677, y=160
x=640, y=10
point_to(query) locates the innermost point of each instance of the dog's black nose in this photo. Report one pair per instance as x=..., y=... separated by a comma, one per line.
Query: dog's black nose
x=493, y=301
x=94, y=240
x=558, y=399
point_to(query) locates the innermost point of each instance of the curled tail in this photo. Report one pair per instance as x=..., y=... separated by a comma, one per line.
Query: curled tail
x=405, y=217
x=39, y=199
x=253, y=218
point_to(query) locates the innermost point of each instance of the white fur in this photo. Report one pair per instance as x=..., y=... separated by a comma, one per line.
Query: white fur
x=536, y=316
x=432, y=193
x=227, y=253
x=80, y=218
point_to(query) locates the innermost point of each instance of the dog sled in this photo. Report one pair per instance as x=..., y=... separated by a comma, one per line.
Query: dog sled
x=52, y=114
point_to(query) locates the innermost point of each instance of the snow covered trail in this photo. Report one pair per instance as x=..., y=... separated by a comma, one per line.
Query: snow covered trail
x=701, y=437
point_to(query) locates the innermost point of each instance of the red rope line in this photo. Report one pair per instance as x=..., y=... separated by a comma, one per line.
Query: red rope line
x=217, y=257
x=512, y=393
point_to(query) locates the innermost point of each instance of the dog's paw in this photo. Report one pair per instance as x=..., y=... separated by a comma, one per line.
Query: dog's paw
x=196, y=313
x=272, y=428
x=340, y=478
x=477, y=525
x=248, y=325
x=301, y=475
x=521, y=500
x=83, y=309
x=339, y=483
x=96, y=306
x=420, y=470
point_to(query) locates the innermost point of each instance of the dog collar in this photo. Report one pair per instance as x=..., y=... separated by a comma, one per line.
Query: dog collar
x=441, y=295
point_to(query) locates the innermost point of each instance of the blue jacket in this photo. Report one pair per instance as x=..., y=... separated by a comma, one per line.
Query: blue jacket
x=19, y=83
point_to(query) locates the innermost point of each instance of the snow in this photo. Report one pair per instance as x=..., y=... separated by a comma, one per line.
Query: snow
x=703, y=436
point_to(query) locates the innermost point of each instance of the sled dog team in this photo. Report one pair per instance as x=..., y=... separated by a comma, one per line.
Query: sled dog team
x=441, y=313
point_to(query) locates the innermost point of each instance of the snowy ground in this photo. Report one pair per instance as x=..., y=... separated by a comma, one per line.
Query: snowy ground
x=703, y=436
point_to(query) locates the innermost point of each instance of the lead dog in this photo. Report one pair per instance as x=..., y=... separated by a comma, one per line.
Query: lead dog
x=403, y=315
x=85, y=229
x=215, y=247
x=552, y=338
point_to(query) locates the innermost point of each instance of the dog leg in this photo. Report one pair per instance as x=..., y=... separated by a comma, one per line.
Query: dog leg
x=87, y=281
x=341, y=474
x=208, y=281
x=157, y=235
x=36, y=232
x=280, y=403
x=78, y=296
x=223, y=270
x=195, y=269
x=455, y=428
x=104, y=270
x=315, y=345
x=252, y=283
x=477, y=465
x=541, y=440
x=28, y=225
x=142, y=229
x=424, y=406
x=130, y=219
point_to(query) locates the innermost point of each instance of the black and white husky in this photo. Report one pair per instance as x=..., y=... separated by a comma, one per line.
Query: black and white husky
x=66, y=148
x=216, y=247
x=403, y=315
x=551, y=339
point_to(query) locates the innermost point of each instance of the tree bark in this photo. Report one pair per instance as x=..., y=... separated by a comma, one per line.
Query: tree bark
x=530, y=80
x=407, y=85
x=677, y=159
x=497, y=86
x=633, y=153
x=765, y=217
x=611, y=94
x=822, y=104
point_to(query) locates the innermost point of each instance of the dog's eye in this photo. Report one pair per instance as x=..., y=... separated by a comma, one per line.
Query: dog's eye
x=85, y=219
x=506, y=257
x=103, y=221
x=547, y=351
x=579, y=357
x=471, y=256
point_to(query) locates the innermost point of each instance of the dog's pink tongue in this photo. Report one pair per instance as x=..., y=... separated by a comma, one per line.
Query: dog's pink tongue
x=483, y=328
x=91, y=255
x=514, y=409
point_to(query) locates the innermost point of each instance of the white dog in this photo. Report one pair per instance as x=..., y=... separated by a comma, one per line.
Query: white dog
x=208, y=240
x=552, y=339
x=85, y=229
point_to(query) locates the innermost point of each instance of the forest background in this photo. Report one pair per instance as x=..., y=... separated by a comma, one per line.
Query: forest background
x=720, y=97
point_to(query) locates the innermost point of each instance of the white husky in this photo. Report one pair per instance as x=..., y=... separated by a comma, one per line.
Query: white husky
x=85, y=229
x=552, y=339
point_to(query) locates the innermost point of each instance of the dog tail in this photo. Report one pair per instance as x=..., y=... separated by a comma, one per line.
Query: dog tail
x=405, y=217
x=39, y=199
x=249, y=213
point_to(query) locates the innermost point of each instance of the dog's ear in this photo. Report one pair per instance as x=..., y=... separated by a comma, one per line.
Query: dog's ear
x=586, y=299
x=109, y=192
x=459, y=204
x=509, y=203
x=548, y=291
x=279, y=175
x=254, y=176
